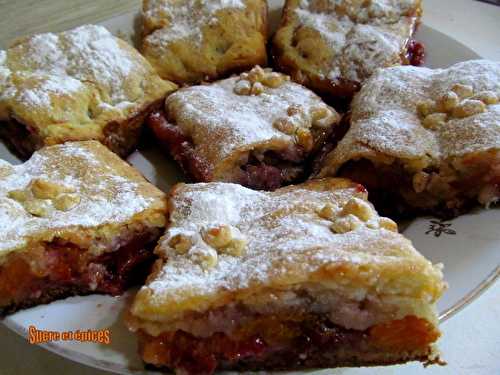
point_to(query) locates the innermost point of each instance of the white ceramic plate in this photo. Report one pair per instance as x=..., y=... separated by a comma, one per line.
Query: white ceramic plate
x=468, y=246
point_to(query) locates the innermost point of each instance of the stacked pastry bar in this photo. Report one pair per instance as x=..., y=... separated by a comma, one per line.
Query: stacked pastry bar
x=257, y=129
x=192, y=41
x=80, y=84
x=74, y=219
x=425, y=140
x=305, y=276
x=333, y=46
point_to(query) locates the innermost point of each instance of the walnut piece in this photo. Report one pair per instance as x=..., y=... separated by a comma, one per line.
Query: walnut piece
x=44, y=189
x=19, y=195
x=304, y=138
x=205, y=256
x=255, y=81
x=322, y=116
x=388, y=224
x=38, y=207
x=180, y=243
x=434, y=120
x=463, y=91
x=469, y=107
x=328, y=212
x=359, y=208
x=284, y=125
x=65, y=202
x=487, y=97
x=225, y=239
x=344, y=224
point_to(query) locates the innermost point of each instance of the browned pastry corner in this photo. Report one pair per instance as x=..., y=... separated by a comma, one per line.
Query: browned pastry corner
x=77, y=85
x=305, y=276
x=193, y=41
x=333, y=46
x=74, y=219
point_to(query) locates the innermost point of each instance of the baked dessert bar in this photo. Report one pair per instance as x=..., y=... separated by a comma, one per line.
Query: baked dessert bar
x=193, y=41
x=426, y=139
x=333, y=46
x=306, y=276
x=77, y=85
x=74, y=219
x=256, y=129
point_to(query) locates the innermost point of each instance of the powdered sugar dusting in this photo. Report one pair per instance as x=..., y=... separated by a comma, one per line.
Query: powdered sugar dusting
x=221, y=122
x=385, y=119
x=87, y=61
x=107, y=196
x=361, y=37
x=287, y=242
x=185, y=18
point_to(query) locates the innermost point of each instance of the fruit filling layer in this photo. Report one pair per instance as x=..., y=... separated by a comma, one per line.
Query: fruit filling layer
x=57, y=269
x=446, y=190
x=303, y=340
x=264, y=170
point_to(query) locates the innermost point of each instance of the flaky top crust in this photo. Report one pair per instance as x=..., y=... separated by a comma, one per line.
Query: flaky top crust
x=344, y=40
x=192, y=41
x=79, y=192
x=224, y=123
x=289, y=238
x=386, y=121
x=68, y=86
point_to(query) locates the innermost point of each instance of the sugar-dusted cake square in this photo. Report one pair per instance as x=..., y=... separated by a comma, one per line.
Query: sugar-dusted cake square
x=74, y=219
x=193, y=41
x=333, y=46
x=258, y=129
x=77, y=85
x=307, y=276
x=423, y=140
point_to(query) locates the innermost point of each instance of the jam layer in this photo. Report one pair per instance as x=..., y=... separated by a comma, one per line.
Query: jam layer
x=56, y=270
x=269, y=343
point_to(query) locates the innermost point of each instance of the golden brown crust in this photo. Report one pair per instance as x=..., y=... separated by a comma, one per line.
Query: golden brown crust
x=75, y=85
x=190, y=42
x=333, y=47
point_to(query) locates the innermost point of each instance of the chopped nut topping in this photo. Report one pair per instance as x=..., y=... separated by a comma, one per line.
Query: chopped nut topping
x=180, y=243
x=426, y=107
x=304, y=138
x=285, y=125
x=242, y=87
x=359, y=208
x=256, y=74
x=386, y=223
x=19, y=195
x=44, y=189
x=66, y=202
x=226, y=239
x=463, y=91
x=344, y=224
x=469, y=107
x=447, y=102
x=321, y=117
x=219, y=236
x=205, y=256
x=273, y=79
x=257, y=88
x=420, y=181
x=434, y=120
x=328, y=212
x=294, y=110
x=38, y=207
x=487, y=97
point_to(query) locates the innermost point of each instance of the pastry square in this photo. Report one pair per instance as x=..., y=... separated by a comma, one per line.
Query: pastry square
x=425, y=140
x=333, y=46
x=256, y=129
x=74, y=219
x=193, y=41
x=77, y=85
x=307, y=276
